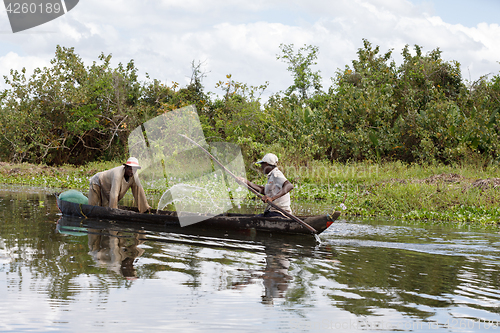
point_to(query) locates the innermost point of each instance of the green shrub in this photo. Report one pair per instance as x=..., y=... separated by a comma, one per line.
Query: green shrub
x=421, y=111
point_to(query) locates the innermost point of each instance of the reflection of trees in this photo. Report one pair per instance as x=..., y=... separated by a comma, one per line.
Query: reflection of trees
x=27, y=229
x=234, y=269
x=173, y=257
x=360, y=280
x=368, y=279
x=55, y=263
x=40, y=254
x=388, y=278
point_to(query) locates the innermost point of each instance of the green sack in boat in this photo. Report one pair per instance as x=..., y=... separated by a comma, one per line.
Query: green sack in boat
x=74, y=196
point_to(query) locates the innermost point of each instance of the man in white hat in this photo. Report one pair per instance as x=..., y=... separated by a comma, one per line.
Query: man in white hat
x=277, y=188
x=108, y=187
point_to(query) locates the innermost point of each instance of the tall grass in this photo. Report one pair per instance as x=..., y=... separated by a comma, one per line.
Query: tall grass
x=392, y=189
x=407, y=191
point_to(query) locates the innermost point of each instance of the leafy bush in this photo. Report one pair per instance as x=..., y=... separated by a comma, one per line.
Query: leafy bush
x=68, y=112
x=420, y=111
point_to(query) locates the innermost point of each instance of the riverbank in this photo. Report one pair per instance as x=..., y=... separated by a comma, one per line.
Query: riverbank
x=461, y=194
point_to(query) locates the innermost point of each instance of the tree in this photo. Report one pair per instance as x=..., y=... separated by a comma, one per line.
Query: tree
x=68, y=113
x=299, y=64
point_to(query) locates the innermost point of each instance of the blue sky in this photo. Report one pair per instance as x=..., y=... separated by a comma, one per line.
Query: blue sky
x=466, y=12
x=242, y=37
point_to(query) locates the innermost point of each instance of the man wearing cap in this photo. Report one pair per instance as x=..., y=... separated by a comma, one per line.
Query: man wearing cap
x=108, y=187
x=277, y=188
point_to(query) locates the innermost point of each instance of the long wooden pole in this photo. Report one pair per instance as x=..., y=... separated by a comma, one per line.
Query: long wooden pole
x=304, y=224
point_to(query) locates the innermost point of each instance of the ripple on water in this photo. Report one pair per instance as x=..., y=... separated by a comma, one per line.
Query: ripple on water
x=369, y=272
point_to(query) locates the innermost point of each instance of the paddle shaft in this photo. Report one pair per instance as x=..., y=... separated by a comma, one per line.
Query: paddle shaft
x=296, y=219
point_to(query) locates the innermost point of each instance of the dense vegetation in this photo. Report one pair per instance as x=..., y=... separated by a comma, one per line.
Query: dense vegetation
x=392, y=189
x=434, y=133
x=375, y=110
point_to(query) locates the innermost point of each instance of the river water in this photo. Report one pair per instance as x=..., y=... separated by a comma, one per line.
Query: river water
x=60, y=274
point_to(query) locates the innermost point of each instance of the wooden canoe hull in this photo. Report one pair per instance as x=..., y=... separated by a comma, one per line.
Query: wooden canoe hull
x=223, y=223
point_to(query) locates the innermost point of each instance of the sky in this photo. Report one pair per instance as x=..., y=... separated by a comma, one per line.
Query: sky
x=242, y=38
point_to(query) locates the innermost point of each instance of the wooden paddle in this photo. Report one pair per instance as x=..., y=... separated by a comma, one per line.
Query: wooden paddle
x=296, y=219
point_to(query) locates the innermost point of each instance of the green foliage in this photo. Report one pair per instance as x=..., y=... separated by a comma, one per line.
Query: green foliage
x=299, y=64
x=389, y=189
x=237, y=117
x=375, y=110
x=420, y=111
x=68, y=112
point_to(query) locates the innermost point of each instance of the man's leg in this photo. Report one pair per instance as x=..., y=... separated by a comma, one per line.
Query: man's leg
x=95, y=195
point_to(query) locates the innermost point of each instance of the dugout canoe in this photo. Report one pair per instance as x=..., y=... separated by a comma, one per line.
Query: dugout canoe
x=224, y=222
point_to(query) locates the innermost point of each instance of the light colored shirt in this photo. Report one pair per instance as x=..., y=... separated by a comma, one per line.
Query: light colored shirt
x=114, y=186
x=275, y=181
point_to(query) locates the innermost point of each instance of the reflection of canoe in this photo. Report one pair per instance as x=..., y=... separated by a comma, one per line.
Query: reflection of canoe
x=223, y=222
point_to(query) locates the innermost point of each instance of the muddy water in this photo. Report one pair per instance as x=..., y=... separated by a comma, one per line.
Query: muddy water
x=61, y=274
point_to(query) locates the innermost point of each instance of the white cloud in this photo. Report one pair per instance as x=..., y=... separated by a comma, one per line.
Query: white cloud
x=13, y=61
x=242, y=38
x=482, y=59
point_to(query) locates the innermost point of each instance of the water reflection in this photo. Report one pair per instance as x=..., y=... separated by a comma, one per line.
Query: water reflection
x=116, y=252
x=426, y=274
x=364, y=280
x=276, y=277
x=116, y=248
x=112, y=248
x=92, y=274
